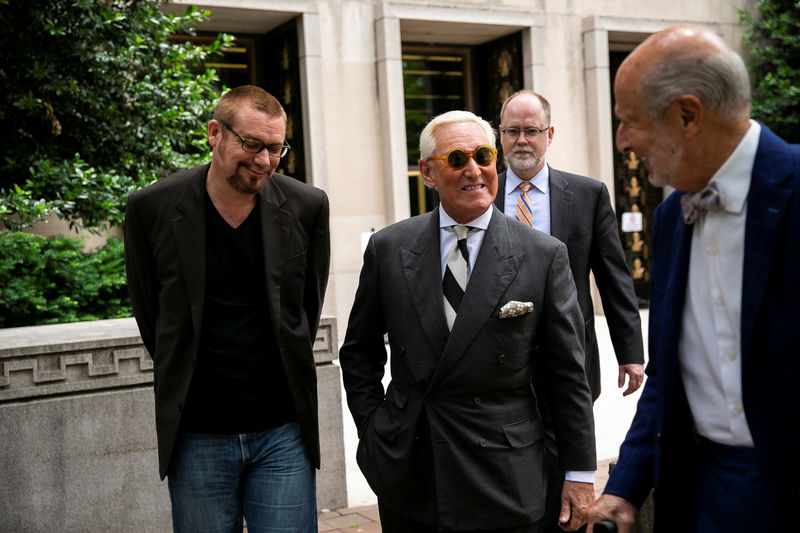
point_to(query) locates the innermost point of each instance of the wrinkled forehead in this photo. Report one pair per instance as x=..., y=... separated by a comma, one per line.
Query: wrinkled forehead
x=465, y=135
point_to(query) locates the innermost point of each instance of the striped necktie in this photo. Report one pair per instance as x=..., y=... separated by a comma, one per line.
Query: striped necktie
x=455, y=275
x=524, y=212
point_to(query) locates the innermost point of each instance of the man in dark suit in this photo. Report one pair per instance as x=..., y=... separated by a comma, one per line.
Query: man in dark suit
x=577, y=211
x=455, y=441
x=227, y=266
x=715, y=432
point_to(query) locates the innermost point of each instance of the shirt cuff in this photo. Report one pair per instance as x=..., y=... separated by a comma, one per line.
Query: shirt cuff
x=579, y=476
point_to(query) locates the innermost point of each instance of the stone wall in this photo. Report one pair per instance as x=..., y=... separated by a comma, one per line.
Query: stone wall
x=77, y=434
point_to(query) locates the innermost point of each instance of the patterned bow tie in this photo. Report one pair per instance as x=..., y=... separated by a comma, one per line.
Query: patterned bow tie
x=693, y=205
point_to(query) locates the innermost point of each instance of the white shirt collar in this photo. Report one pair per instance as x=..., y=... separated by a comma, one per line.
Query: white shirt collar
x=482, y=222
x=733, y=177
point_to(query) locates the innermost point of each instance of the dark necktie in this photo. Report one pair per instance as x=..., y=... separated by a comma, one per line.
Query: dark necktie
x=694, y=205
x=455, y=275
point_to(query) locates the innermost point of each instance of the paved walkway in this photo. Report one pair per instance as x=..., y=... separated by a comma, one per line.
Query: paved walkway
x=365, y=519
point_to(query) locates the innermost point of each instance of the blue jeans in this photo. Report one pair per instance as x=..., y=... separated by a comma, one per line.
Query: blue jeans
x=267, y=477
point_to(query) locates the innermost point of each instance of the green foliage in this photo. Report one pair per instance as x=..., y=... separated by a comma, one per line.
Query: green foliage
x=97, y=101
x=49, y=280
x=775, y=64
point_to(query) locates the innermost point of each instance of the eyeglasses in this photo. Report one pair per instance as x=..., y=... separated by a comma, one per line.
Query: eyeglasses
x=530, y=133
x=254, y=146
x=458, y=158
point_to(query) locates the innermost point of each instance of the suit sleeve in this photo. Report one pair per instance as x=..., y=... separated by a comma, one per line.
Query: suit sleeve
x=632, y=477
x=141, y=277
x=615, y=284
x=363, y=354
x=318, y=265
x=561, y=354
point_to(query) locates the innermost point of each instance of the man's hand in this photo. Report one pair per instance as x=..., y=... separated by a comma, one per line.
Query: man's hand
x=636, y=373
x=609, y=507
x=576, y=497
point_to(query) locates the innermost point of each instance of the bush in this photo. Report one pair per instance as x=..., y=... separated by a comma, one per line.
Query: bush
x=51, y=280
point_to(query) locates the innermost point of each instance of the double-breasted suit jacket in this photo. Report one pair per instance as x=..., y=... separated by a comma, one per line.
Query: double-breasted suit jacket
x=581, y=217
x=165, y=262
x=457, y=434
x=652, y=455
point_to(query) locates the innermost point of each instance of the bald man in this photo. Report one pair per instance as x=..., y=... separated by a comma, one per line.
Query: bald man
x=715, y=432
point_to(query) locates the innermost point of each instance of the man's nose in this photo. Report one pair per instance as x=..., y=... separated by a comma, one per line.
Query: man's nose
x=262, y=158
x=472, y=168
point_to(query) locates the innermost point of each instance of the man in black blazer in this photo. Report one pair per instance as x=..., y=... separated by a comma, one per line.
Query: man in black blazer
x=227, y=266
x=455, y=442
x=577, y=211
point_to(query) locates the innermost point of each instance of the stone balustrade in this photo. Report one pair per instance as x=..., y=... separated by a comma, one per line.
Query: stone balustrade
x=77, y=429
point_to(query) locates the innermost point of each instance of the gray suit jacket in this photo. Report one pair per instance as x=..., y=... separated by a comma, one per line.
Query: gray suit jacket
x=165, y=263
x=457, y=436
x=582, y=218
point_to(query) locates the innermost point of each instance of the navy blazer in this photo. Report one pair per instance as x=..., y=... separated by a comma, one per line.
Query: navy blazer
x=582, y=218
x=652, y=454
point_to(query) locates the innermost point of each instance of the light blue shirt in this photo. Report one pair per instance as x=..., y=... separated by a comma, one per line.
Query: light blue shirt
x=539, y=195
x=447, y=237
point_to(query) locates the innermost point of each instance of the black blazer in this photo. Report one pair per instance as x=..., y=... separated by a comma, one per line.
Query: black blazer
x=465, y=394
x=582, y=218
x=165, y=263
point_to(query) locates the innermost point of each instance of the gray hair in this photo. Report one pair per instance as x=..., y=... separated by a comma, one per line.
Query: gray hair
x=542, y=99
x=427, y=142
x=719, y=80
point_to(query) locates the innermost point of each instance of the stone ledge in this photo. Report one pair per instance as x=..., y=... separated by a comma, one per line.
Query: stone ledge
x=62, y=359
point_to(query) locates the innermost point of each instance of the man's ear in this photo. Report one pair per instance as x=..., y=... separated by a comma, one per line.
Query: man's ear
x=214, y=132
x=427, y=173
x=690, y=114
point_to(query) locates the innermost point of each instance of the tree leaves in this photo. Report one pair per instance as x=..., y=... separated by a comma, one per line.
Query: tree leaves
x=97, y=101
x=775, y=65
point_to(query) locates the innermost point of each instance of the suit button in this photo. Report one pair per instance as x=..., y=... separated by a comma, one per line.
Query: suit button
x=483, y=443
x=402, y=350
x=180, y=407
x=501, y=358
x=477, y=400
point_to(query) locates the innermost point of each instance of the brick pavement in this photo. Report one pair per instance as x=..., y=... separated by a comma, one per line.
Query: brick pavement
x=353, y=519
x=366, y=520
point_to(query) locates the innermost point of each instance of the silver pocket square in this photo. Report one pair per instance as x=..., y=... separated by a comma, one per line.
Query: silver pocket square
x=514, y=308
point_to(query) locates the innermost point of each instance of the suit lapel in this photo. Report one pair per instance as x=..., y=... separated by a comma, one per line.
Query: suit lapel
x=500, y=197
x=188, y=228
x=767, y=202
x=422, y=272
x=496, y=266
x=560, y=205
x=275, y=224
x=670, y=272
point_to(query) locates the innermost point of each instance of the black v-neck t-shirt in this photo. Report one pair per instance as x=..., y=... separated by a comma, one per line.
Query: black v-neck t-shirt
x=239, y=384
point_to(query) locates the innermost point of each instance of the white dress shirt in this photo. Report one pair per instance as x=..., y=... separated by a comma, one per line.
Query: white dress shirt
x=539, y=196
x=709, y=347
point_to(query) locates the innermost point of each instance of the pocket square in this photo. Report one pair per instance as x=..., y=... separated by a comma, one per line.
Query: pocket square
x=514, y=308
